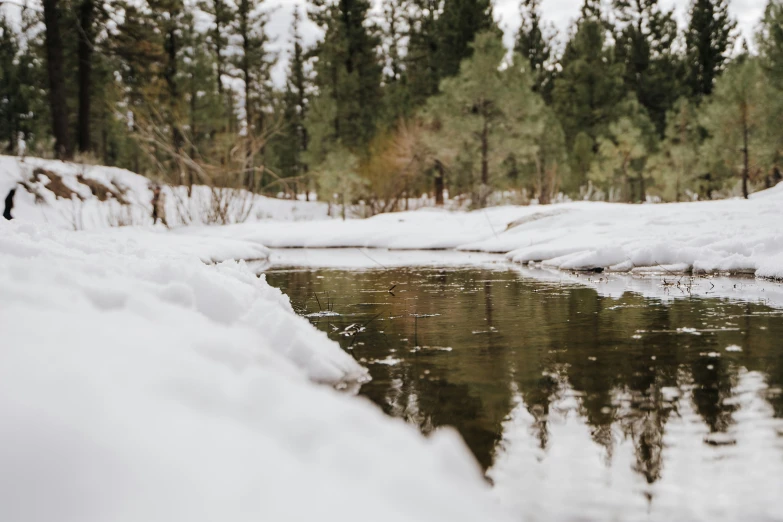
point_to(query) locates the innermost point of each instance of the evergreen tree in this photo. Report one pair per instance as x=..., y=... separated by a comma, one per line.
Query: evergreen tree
x=348, y=78
x=205, y=114
x=222, y=13
x=58, y=107
x=457, y=26
x=535, y=45
x=618, y=165
x=11, y=103
x=253, y=65
x=483, y=116
x=645, y=46
x=708, y=42
x=675, y=168
x=421, y=60
x=291, y=143
x=588, y=93
x=734, y=118
x=770, y=43
x=86, y=32
x=395, y=89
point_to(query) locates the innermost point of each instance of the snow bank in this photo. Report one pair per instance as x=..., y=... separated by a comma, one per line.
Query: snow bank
x=84, y=197
x=731, y=236
x=428, y=229
x=140, y=385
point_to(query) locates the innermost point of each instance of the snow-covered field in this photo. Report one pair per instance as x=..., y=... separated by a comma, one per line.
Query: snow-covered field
x=730, y=236
x=138, y=383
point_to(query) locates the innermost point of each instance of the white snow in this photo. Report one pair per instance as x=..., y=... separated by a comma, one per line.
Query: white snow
x=138, y=383
x=85, y=211
x=730, y=236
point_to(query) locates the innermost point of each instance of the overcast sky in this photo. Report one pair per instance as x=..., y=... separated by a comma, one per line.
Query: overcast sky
x=559, y=12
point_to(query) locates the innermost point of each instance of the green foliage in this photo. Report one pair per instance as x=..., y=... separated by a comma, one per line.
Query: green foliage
x=645, y=46
x=457, y=26
x=338, y=179
x=675, y=167
x=734, y=119
x=535, y=43
x=708, y=42
x=488, y=118
x=621, y=160
x=290, y=144
x=590, y=88
x=348, y=74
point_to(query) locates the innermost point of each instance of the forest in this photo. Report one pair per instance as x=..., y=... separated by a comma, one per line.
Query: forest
x=407, y=100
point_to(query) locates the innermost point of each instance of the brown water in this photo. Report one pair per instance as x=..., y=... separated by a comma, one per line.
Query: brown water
x=577, y=406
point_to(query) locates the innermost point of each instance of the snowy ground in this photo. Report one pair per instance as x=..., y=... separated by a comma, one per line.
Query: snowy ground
x=730, y=236
x=146, y=374
x=141, y=384
x=85, y=197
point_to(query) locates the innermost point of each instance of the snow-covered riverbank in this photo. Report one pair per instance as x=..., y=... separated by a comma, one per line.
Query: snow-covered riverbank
x=731, y=236
x=138, y=383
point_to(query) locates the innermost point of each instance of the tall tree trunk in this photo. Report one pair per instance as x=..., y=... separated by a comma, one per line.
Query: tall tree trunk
x=54, y=67
x=172, y=49
x=86, y=43
x=484, y=161
x=438, y=183
x=746, y=159
x=251, y=174
x=642, y=188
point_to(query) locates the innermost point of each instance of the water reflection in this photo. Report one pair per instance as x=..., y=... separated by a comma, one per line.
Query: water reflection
x=576, y=404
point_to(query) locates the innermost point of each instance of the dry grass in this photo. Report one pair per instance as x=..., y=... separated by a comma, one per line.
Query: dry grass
x=101, y=191
x=56, y=185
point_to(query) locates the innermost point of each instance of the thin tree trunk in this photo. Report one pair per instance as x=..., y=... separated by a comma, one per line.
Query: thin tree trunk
x=485, y=153
x=642, y=188
x=484, y=161
x=438, y=183
x=746, y=160
x=86, y=43
x=54, y=67
x=172, y=49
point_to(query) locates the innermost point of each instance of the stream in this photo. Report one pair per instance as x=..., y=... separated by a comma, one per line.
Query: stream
x=577, y=405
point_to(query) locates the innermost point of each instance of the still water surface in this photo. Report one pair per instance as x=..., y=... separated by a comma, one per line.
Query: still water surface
x=577, y=406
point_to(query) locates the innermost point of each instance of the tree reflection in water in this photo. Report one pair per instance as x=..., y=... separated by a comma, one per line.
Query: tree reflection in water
x=532, y=371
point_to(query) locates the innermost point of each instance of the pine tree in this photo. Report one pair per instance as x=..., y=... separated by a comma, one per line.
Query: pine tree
x=770, y=43
x=290, y=145
x=421, y=60
x=535, y=43
x=588, y=92
x=708, y=42
x=205, y=114
x=734, y=118
x=483, y=116
x=86, y=33
x=675, y=168
x=645, y=45
x=348, y=78
x=222, y=12
x=457, y=26
x=253, y=65
x=395, y=81
x=10, y=86
x=619, y=155
x=52, y=14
